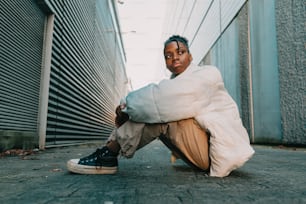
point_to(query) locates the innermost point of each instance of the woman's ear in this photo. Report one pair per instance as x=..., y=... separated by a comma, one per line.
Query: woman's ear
x=190, y=57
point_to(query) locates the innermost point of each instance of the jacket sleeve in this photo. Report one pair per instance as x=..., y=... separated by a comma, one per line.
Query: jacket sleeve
x=141, y=106
x=170, y=100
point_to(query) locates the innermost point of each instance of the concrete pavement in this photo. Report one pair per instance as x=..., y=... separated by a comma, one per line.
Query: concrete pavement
x=273, y=175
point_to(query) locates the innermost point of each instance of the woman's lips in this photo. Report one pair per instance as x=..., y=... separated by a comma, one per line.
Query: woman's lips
x=175, y=65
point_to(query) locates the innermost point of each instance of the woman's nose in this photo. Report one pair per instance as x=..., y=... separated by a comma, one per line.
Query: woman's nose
x=175, y=56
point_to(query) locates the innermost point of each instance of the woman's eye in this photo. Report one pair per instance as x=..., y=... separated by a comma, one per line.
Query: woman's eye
x=168, y=56
x=181, y=52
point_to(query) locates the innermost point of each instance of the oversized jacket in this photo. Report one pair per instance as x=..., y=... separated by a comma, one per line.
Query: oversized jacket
x=198, y=93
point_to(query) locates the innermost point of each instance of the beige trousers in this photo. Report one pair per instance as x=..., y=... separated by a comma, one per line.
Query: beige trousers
x=186, y=135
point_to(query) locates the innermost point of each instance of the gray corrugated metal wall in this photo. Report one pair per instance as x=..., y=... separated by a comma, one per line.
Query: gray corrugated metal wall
x=87, y=72
x=87, y=77
x=21, y=40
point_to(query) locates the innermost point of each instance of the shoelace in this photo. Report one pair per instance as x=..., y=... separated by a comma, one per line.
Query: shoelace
x=96, y=157
x=101, y=153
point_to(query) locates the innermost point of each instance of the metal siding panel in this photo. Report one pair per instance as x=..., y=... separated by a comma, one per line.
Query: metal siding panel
x=196, y=16
x=184, y=17
x=207, y=34
x=169, y=24
x=267, y=124
x=178, y=19
x=84, y=89
x=229, y=63
x=215, y=16
x=21, y=39
x=229, y=9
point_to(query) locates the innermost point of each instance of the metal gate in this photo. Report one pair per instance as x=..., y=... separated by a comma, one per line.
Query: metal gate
x=21, y=42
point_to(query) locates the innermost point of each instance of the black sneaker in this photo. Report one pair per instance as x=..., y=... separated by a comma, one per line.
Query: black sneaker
x=102, y=161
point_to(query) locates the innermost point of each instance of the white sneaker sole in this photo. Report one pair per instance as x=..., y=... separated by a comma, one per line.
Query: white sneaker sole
x=73, y=166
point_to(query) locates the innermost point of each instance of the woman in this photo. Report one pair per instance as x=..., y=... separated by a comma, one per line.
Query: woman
x=192, y=113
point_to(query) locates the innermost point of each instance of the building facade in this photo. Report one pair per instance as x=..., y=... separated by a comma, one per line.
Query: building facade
x=62, y=66
x=259, y=47
x=62, y=72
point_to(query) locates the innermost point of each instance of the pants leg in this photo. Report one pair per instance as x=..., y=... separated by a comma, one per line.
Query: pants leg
x=192, y=140
x=186, y=135
x=132, y=136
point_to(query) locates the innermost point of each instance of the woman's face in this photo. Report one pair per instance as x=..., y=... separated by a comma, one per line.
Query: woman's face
x=177, y=57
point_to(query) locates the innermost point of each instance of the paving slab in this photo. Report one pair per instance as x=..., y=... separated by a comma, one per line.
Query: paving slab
x=274, y=175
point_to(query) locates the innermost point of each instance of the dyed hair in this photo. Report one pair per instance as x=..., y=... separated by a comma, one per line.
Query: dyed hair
x=177, y=38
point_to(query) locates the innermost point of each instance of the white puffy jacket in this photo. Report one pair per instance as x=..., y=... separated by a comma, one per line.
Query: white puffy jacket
x=198, y=93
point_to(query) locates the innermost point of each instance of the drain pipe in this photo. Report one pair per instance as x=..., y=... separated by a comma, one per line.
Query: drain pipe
x=251, y=104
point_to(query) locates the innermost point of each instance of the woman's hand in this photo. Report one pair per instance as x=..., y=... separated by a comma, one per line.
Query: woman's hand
x=121, y=117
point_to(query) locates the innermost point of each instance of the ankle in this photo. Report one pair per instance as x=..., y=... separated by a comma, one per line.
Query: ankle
x=113, y=146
